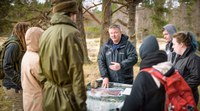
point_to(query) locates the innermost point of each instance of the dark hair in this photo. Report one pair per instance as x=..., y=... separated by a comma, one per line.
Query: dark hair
x=19, y=31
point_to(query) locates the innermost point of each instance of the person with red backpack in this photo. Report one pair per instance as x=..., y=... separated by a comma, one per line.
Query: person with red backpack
x=147, y=93
x=158, y=86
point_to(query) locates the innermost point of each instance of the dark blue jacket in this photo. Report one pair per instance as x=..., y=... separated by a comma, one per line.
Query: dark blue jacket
x=123, y=53
x=12, y=65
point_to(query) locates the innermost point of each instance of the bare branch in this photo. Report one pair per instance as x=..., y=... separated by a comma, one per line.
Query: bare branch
x=11, y=21
x=93, y=16
x=121, y=22
x=95, y=5
x=116, y=2
x=118, y=9
x=123, y=12
x=31, y=19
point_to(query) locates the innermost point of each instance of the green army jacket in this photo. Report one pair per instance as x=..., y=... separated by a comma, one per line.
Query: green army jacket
x=61, y=61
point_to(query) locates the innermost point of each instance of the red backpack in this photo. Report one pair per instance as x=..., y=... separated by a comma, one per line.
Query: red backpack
x=179, y=96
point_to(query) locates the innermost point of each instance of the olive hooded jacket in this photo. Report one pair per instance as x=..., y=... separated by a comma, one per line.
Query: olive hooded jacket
x=61, y=62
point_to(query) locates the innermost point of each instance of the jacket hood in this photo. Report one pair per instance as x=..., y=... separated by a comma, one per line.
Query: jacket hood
x=165, y=68
x=153, y=59
x=32, y=38
x=171, y=29
x=149, y=45
x=194, y=42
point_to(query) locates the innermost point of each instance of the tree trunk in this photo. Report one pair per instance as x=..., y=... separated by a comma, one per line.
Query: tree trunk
x=106, y=20
x=82, y=30
x=131, y=22
x=196, y=19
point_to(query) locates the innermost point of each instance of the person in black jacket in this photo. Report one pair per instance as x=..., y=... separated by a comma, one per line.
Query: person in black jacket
x=117, y=58
x=147, y=93
x=185, y=44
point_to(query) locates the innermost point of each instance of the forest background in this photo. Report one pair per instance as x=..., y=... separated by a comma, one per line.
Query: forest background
x=138, y=18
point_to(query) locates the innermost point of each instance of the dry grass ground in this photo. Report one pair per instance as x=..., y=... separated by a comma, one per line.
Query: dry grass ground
x=5, y=105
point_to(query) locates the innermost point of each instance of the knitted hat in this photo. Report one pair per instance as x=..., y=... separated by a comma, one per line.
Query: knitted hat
x=64, y=6
x=148, y=46
x=171, y=29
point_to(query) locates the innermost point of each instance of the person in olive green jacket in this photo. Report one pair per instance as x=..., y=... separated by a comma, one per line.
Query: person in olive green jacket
x=61, y=61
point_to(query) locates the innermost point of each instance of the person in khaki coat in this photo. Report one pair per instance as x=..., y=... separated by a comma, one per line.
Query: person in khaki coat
x=32, y=91
x=61, y=61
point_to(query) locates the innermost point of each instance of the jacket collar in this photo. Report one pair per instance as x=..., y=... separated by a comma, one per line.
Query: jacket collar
x=169, y=46
x=13, y=37
x=153, y=59
x=61, y=18
x=187, y=52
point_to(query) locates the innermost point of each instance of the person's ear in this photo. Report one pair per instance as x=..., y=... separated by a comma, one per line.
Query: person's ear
x=182, y=45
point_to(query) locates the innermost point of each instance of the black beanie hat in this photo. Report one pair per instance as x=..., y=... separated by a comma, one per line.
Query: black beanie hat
x=149, y=45
x=64, y=6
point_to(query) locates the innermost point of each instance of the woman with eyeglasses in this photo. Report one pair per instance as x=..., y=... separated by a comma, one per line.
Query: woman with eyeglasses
x=185, y=44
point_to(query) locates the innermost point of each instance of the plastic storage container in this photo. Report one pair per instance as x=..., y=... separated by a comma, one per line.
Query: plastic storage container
x=106, y=99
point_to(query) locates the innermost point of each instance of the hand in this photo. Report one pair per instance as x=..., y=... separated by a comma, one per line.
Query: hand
x=16, y=80
x=105, y=83
x=115, y=66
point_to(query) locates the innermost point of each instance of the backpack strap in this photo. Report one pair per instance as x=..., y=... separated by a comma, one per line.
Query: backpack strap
x=20, y=48
x=156, y=74
x=13, y=41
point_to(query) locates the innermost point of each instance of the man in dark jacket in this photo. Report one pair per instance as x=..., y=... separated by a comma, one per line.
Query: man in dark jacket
x=61, y=61
x=117, y=58
x=147, y=93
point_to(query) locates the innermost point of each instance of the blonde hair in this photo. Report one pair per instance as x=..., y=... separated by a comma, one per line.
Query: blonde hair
x=19, y=31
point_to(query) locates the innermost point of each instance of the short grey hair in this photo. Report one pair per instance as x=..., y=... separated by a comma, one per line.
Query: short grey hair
x=114, y=26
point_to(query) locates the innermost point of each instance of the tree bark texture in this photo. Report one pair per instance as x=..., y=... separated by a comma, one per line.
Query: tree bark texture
x=80, y=25
x=106, y=21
